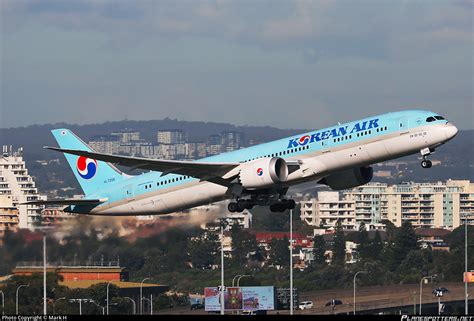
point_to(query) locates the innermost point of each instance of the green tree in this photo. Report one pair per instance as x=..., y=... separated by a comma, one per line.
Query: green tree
x=405, y=240
x=319, y=250
x=363, y=241
x=280, y=252
x=243, y=244
x=203, y=250
x=339, y=245
x=375, y=246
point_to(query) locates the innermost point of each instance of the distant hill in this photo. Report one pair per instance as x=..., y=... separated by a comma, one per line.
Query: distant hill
x=33, y=138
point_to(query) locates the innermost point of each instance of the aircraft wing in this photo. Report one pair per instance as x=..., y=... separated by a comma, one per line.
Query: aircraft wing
x=67, y=202
x=212, y=172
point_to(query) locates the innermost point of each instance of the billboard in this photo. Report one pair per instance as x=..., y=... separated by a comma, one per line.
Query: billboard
x=258, y=298
x=212, y=299
x=283, y=301
x=251, y=298
x=468, y=277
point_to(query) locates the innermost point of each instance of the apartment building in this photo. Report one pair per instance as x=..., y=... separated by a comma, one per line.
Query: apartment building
x=425, y=205
x=18, y=187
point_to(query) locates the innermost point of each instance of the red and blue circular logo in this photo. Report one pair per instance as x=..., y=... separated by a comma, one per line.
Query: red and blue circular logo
x=304, y=140
x=260, y=171
x=86, y=167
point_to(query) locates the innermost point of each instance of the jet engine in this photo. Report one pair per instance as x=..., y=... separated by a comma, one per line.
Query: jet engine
x=349, y=178
x=263, y=173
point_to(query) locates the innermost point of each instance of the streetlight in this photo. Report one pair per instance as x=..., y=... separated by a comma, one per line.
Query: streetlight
x=438, y=292
x=44, y=274
x=80, y=303
x=108, y=283
x=291, y=262
x=355, y=276
x=103, y=308
x=54, y=303
x=17, y=289
x=421, y=286
x=466, y=309
x=3, y=302
x=233, y=279
x=242, y=276
x=141, y=291
x=151, y=303
x=222, y=267
x=134, y=304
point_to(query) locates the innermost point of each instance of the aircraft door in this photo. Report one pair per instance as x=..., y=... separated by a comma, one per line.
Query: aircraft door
x=403, y=125
x=129, y=194
x=325, y=146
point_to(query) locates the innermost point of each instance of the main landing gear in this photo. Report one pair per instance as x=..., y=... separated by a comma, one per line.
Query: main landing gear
x=281, y=206
x=426, y=163
x=240, y=206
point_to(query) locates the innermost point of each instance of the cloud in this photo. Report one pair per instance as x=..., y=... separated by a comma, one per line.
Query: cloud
x=84, y=61
x=339, y=28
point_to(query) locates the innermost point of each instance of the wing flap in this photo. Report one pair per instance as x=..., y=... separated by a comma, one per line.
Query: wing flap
x=67, y=202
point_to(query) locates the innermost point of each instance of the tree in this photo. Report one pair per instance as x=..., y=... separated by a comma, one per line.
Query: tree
x=405, y=240
x=339, y=245
x=364, y=243
x=376, y=246
x=280, y=252
x=203, y=249
x=319, y=249
x=243, y=244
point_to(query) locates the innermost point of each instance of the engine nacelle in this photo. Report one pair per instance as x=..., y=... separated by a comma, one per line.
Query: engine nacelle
x=349, y=178
x=263, y=172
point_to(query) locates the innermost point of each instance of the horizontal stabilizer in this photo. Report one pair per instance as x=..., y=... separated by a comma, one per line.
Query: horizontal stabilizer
x=67, y=202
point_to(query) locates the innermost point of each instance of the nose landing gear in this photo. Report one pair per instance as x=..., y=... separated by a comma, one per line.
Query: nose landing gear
x=426, y=163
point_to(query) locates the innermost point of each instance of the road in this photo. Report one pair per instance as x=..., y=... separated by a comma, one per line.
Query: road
x=368, y=298
x=376, y=297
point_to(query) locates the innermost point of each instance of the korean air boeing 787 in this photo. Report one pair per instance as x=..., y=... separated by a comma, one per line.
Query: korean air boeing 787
x=338, y=156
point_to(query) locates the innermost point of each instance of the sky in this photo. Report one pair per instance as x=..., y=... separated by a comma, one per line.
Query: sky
x=288, y=64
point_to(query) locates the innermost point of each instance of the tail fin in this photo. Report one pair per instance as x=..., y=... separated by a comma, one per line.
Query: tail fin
x=91, y=174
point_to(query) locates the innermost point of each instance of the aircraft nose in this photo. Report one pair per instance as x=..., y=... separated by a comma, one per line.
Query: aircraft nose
x=450, y=130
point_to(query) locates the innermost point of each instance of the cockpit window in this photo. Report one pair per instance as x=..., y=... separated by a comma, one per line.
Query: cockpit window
x=439, y=117
x=430, y=119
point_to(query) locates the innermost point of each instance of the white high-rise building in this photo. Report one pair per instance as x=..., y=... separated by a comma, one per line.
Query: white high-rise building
x=19, y=185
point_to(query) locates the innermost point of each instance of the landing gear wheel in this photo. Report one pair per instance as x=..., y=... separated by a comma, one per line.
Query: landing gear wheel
x=275, y=207
x=426, y=163
x=240, y=207
x=278, y=207
x=291, y=204
x=232, y=207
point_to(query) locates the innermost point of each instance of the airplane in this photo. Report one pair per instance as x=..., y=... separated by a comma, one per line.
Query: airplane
x=339, y=157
